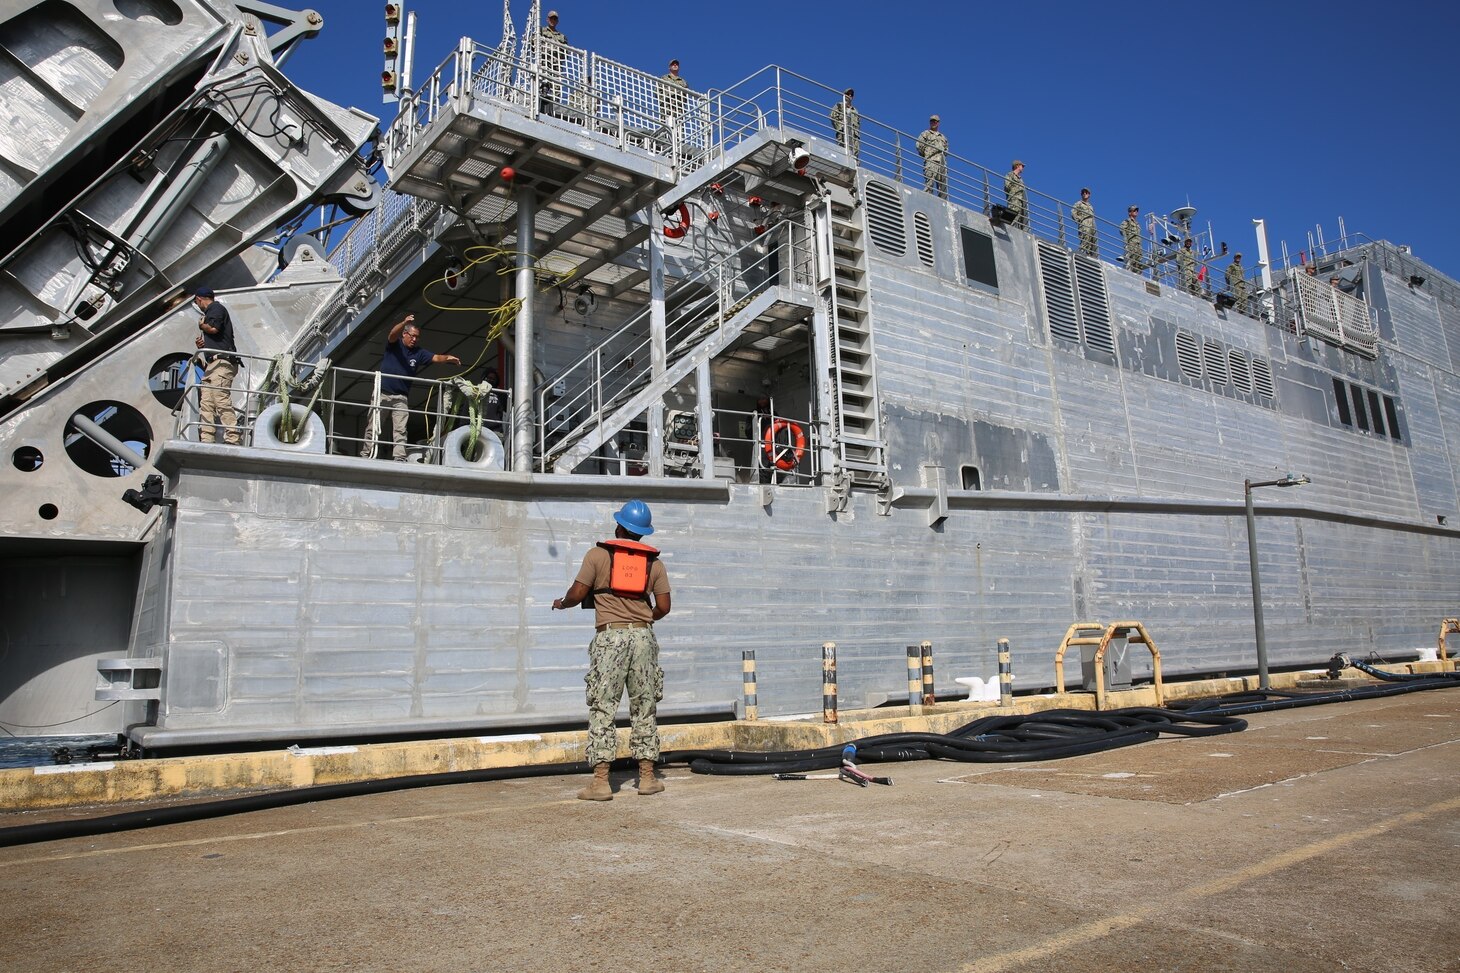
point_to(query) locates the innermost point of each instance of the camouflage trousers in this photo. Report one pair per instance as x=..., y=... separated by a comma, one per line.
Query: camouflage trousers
x=935, y=177
x=1088, y=245
x=620, y=658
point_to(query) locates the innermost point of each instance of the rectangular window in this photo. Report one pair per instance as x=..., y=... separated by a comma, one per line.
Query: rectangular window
x=1340, y=393
x=978, y=257
x=970, y=477
x=1361, y=415
x=1376, y=411
x=1392, y=414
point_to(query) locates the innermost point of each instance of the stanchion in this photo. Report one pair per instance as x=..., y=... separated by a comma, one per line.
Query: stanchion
x=928, y=698
x=747, y=667
x=1006, y=675
x=828, y=682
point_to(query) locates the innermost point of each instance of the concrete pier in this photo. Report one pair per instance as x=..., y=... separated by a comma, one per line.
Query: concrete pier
x=1318, y=839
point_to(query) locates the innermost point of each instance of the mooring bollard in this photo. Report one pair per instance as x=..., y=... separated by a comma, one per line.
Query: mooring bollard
x=747, y=667
x=928, y=698
x=914, y=676
x=1006, y=675
x=828, y=682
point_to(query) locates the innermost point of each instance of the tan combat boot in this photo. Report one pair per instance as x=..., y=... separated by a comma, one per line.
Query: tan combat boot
x=648, y=783
x=599, y=790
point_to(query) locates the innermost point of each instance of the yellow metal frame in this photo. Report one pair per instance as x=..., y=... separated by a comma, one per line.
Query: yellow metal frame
x=1133, y=632
x=1446, y=627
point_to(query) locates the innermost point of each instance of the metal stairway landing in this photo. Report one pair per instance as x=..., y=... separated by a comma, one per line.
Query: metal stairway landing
x=765, y=313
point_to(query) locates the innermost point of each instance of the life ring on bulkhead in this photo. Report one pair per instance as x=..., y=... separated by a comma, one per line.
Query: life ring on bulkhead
x=785, y=457
x=676, y=230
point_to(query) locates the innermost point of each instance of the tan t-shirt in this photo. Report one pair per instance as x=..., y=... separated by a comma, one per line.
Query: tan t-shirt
x=609, y=607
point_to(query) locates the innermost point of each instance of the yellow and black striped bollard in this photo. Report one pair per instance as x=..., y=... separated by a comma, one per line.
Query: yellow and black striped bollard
x=747, y=668
x=1006, y=675
x=914, y=676
x=928, y=697
x=828, y=682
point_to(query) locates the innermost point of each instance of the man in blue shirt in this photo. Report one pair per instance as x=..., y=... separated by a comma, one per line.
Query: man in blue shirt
x=404, y=359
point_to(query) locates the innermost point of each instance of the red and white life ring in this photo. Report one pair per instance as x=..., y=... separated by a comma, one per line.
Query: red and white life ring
x=785, y=457
x=676, y=230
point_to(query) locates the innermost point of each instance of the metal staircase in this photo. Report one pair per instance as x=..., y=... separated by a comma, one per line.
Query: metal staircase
x=861, y=450
x=731, y=303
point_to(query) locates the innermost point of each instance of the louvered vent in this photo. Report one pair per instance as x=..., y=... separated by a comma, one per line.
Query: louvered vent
x=1094, y=304
x=1241, y=374
x=1059, y=292
x=1216, y=363
x=884, y=219
x=1188, y=355
x=923, y=233
x=1262, y=377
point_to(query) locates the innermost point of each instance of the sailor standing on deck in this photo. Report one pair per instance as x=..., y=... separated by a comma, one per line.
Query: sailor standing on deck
x=1186, y=267
x=1130, y=232
x=933, y=147
x=630, y=591
x=551, y=53
x=1084, y=215
x=847, y=123
x=1237, y=284
x=1014, y=196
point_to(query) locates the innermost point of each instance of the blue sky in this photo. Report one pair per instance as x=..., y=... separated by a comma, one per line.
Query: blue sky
x=1299, y=113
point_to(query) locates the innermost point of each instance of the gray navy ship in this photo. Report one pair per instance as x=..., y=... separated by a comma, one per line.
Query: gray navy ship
x=866, y=405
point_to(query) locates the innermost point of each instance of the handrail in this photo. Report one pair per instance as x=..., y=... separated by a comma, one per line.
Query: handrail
x=587, y=390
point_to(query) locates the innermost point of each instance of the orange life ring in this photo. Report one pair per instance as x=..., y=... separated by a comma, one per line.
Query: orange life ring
x=785, y=457
x=676, y=230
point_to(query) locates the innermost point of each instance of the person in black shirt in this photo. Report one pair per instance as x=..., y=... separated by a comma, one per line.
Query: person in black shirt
x=215, y=405
x=494, y=403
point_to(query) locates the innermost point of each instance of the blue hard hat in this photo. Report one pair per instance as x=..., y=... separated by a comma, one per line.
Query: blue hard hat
x=634, y=517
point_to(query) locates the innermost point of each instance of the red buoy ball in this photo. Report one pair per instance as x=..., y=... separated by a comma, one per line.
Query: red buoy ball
x=508, y=173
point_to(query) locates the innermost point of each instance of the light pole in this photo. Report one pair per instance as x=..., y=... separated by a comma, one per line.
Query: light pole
x=1247, y=487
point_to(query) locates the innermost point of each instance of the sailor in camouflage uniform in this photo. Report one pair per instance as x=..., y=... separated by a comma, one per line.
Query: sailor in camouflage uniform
x=551, y=54
x=847, y=123
x=1130, y=232
x=1084, y=215
x=933, y=147
x=1237, y=284
x=1186, y=267
x=1015, y=199
x=674, y=95
x=630, y=591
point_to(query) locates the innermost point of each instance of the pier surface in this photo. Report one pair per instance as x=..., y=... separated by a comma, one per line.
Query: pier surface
x=1319, y=839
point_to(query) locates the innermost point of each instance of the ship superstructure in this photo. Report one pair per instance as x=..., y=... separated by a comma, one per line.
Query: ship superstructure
x=865, y=409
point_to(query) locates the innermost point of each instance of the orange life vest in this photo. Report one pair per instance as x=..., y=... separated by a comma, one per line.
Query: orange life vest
x=628, y=568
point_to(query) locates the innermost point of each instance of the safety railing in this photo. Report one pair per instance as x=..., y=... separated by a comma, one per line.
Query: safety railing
x=1337, y=317
x=608, y=375
x=641, y=111
x=339, y=411
x=740, y=452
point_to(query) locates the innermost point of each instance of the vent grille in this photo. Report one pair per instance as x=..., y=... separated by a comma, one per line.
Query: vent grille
x=923, y=233
x=885, y=219
x=1216, y=363
x=1059, y=292
x=1241, y=375
x=1094, y=304
x=1188, y=355
x=1262, y=378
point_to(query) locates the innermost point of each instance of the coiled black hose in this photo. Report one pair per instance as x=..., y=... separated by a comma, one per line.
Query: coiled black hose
x=1051, y=735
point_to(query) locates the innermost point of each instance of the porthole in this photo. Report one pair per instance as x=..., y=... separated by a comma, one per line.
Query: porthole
x=48, y=511
x=27, y=459
x=118, y=421
x=168, y=379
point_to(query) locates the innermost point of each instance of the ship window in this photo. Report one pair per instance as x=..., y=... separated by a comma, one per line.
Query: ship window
x=1392, y=414
x=27, y=459
x=923, y=231
x=1262, y=377
x=1376, y=411
x=1340, y=394
x=1188, y=355
x=1241, y=376
x=971, y=479
x=1361, y=415
x=884, y=219
x=978, y=257
x=1216, y=363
